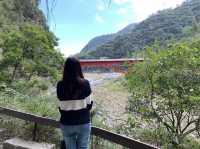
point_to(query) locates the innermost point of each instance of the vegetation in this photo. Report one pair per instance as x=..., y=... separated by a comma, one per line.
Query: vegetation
x=165, y=90
x=27, y=45
x=29, y=51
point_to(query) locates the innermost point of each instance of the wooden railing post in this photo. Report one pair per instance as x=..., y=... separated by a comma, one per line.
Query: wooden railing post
x=34, y=132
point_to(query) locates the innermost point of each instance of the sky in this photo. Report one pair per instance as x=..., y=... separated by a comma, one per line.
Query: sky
x=76, y=22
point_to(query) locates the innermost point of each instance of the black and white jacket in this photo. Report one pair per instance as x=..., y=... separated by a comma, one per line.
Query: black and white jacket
x=75, y=111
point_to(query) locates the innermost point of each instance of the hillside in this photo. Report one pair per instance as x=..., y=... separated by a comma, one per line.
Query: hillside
x=26, y=43
x=95, y=42
x=15, y=12
x=100, y=40
x=164, y=26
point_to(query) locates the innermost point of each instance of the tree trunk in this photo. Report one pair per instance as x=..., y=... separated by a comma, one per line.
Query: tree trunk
x=14, y=71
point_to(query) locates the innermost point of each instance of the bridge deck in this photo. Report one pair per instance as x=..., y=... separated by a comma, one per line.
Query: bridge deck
x=111, y=60
x=116, y=65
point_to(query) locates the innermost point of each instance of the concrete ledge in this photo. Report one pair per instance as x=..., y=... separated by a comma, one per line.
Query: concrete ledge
x=16, y=143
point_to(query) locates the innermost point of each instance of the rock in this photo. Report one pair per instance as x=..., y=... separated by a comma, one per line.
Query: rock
x=2, y=135
x=2, y=131
x=16, y=143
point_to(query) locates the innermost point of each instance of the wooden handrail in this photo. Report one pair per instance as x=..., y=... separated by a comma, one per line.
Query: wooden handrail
x=102, y=133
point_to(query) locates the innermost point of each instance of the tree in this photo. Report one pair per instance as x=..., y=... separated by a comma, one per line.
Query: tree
x=165, y=90
x=30, y=51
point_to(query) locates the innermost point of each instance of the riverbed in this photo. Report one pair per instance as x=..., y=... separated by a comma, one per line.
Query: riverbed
x=110, y=96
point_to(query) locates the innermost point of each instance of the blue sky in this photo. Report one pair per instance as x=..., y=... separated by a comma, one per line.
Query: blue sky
x=75, y=22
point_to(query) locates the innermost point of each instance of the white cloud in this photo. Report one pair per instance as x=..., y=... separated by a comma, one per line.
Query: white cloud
x=100, y=7
x=121, y=1
x=70, y=48
x=122, y=11
x=141, y=9
x=99, y=19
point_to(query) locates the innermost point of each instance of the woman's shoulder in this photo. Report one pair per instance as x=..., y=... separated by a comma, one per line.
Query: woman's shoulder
x=87, y=88
x=85, y=82
x=59, y=83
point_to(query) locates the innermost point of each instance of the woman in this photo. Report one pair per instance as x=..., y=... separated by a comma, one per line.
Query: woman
x=73, y=92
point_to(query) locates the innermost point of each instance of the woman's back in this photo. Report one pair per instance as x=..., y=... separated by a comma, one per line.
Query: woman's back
x=74, y=105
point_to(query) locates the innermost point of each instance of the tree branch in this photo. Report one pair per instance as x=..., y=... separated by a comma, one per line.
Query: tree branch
x=188, y=124
x=188, y=132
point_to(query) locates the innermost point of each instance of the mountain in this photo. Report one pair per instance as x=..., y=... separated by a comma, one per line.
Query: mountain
x=127, y=29
x=164, y=26
x=15, y=12
x=27, y=46
x=100, y=40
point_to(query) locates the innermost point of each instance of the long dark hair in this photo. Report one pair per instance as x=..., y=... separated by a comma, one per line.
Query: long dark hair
x=72, y=76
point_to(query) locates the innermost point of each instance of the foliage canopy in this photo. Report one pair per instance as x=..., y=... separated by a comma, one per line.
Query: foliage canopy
x=165, y=89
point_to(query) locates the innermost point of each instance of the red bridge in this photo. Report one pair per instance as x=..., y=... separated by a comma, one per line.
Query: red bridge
x=116, y=65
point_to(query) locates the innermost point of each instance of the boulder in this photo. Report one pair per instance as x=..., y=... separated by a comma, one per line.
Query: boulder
x=3, y=135
x=2, y=131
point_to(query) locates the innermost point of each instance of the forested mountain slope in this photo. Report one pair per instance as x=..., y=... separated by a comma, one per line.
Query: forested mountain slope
x=100, y=40
x=164, y=26
x=97, y=41
x=26, y=43
x=19, y=11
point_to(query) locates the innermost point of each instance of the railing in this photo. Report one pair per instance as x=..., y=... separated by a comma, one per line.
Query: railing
x=102, y=133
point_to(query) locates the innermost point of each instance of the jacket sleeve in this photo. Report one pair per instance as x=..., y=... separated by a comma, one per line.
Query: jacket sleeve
x=59, y=90
x=89, y=102
x=89, y=99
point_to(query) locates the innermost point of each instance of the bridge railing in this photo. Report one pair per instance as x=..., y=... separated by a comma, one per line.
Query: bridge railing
x=99, y=132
